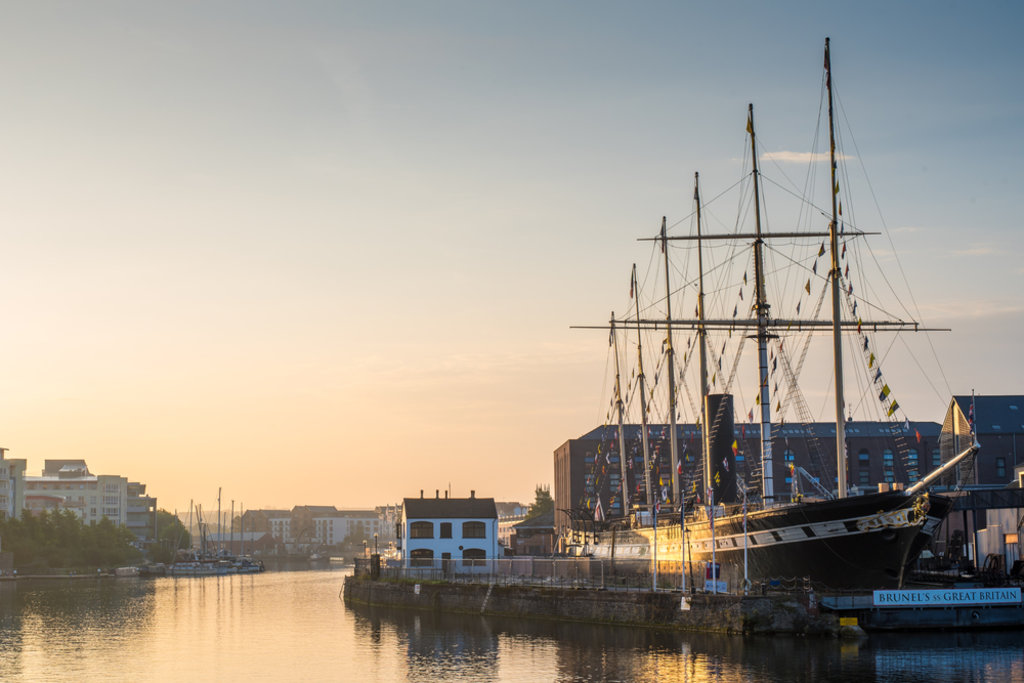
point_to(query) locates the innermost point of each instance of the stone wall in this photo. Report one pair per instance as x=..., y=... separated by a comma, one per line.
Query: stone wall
x=794, y=613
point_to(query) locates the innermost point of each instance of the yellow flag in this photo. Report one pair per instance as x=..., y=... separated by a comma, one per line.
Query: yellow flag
x=750, y=126
x=808, y=285
x=893, y=407
x=871, y=361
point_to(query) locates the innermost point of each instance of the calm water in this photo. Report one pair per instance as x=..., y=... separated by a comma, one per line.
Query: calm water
x=292, y=626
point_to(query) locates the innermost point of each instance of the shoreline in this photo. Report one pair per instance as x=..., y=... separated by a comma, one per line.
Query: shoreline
x=788, y=614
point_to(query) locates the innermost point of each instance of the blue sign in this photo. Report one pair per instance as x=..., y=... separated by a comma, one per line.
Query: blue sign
x=947, y=597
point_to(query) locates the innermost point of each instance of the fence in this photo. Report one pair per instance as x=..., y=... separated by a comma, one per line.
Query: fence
x=582, y=572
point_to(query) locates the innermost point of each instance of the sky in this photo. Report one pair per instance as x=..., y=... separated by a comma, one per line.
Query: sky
x=330, y=253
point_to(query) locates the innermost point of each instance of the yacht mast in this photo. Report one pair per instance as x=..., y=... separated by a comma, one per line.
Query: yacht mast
x=761, y=307
x=837, y=342
x=670, y=352
x=702, y=335
x=619, y=410
x=643, y=399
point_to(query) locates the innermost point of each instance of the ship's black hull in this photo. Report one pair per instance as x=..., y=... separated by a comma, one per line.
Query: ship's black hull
x=861, y=542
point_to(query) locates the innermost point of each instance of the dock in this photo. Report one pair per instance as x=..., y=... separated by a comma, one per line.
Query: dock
x=954, y=608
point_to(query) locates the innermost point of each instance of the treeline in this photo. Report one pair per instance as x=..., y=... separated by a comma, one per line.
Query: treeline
x=57, y=539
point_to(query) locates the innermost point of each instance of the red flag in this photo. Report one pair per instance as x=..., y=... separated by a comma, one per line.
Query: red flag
x=918, y=434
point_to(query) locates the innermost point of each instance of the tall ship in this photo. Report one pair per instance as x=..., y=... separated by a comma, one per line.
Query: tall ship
x=719, y=515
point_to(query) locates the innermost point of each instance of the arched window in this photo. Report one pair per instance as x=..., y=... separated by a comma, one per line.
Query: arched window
x=421, y=557
x=474, y=530
x=421, y=530
x=473, y=557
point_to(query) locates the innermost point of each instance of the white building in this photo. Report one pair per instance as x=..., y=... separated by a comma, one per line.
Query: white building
x=456, y=534
x=340, y=526
x=91, y=496
x=12, y=486
x=280, y=522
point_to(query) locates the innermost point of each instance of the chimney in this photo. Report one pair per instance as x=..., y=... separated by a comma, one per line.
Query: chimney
x=421, y=493
x=437, y=493
x=472, y=494
x=446, y=495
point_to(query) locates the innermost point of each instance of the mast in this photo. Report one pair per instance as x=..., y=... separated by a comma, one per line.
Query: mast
x=673, y=441
x=702, y=335
x=837, y=342
x=761, y=307
x=643, y=400
x=619, y=410
x=643, y=427
x=220, y=528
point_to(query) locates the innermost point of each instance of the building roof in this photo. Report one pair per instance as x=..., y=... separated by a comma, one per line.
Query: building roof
x=52, y=467
x=545, y=520
x=269, y=512
x=320, y=510
x=356, y=514
x=447, y=508
x=994, y=414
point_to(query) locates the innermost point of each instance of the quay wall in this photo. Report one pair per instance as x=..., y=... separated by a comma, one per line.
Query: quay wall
x=790, y=614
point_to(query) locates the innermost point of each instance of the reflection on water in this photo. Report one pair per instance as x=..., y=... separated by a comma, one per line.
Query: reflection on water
x=465, y=648
x=293, y=626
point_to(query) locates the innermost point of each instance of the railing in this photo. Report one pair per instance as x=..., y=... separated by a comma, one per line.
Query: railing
x=584, y=572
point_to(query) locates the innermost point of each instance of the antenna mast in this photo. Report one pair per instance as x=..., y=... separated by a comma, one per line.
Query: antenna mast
x=761, y=306
x=837, y=341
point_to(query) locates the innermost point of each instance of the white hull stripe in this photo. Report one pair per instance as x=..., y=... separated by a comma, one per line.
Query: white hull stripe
x=759, y=539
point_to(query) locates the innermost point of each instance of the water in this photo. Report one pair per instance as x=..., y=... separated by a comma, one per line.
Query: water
x=290, y=626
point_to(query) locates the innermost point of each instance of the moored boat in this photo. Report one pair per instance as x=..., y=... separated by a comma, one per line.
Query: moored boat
x=839, y=540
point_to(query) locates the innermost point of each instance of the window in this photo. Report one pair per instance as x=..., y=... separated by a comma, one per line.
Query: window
x=887, y=466
x=474, y=530
x=1000, y=467
x=912, y=471
x=936, y=458
x=446, y=530
x=421, y=557
x=421, y=530
x=789, y=456
x=864, y=478
x=473, y=557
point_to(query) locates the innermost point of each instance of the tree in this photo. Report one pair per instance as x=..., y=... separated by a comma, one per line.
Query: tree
x=58, y=539
x=542, y=502
x=171, y=535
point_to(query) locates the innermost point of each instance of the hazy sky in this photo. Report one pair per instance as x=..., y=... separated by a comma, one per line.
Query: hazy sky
x=329, y=252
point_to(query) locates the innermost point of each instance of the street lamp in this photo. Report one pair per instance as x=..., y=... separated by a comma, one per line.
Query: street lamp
x=364, y=548
x=375, y=551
